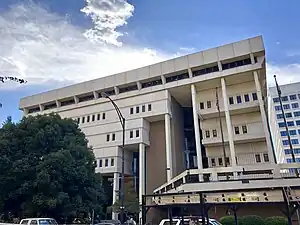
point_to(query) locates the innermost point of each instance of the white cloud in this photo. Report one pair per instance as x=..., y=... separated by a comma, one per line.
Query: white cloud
x=43, y=47
x=187, y=49
x=285, y=74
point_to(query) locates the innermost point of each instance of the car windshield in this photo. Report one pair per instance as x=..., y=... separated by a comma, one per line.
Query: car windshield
x=47, y=222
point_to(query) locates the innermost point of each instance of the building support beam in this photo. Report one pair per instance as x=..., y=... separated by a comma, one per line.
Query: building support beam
x=116, y=191
x=168, y=147
x=196, y=128
x=142, y=175
x=228, y=123
x=263, y=116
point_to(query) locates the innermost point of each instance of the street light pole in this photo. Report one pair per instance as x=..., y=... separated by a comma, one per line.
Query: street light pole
x=122, y=121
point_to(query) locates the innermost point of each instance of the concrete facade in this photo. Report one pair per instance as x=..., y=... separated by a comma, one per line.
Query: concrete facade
x=171, y=116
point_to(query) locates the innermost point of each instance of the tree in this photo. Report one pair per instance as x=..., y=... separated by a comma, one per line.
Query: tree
x=131, y=200
x=47, y=169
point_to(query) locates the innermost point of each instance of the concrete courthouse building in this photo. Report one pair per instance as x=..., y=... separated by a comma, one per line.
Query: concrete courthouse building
x=172, y=120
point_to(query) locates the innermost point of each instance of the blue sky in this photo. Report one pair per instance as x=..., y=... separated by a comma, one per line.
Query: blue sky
x=60, y=42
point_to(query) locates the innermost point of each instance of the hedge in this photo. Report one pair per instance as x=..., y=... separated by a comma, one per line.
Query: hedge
x=276, y=220
x=254, y=220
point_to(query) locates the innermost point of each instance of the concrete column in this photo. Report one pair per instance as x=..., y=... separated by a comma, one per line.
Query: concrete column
x=95, y=94
x=228, y=123
x=220, y=66
x=58, y=104
x=142, y=174
x=41, y=107
x=139, y=85
x=190, y=73
x=76, y=100
x=116, y=90
x=168, y=147
x=252, y=58
x=263, y=116
x=196, y=127
x=163, y=79
x=115, y=193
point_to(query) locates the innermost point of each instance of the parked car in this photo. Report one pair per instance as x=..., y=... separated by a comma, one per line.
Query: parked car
x=177, y=221
x=38, y=221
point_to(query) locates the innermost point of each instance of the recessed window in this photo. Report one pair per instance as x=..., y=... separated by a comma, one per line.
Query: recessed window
x=149, y=107
x=93, y=117
x=201, y=105
x=113, y=137
x=131, y=134
x=143, y=108
x=213, y=162
x=284, y=98
x=78, y=120
x=238, y=99
x=236, y=130
x=112, y=162
x=291, y=123
x=208, y=104
x=227, y=161
x=103, y=116
x=137, y=109
x=88, y=119
x=277, y=107
x=295, y=105
x=298, y=122
x=254, y=96
x=100, y=163
x=279, y=116
x=296, y=114
x=106, y=162
x=107, y=137
x=137, y=133
x=293, y=97
x=288, y=115
x=257, y=158
x=275, y=100
x=266, y=157
x=131, y=110
x=287, y=106
x=231, y=102
x=281, y=124
x=214, y=133
x=98, y=116
x=244, y=129
x=220, y=160
x=207, y=134
x=82, y=119
x=247, y=99
x=285, y=142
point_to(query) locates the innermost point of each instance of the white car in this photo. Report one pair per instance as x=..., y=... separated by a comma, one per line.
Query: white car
x=177, y=221
x=38, y=221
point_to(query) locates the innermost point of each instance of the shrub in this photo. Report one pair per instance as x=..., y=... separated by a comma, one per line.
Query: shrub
x=276, y=220
x=227, y=220
x=252, y=220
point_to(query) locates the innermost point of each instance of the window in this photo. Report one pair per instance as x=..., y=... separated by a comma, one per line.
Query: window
x=201, y=105
x=289, y=160
x=213, y=162
x=231, y=102
x=236, y=130
x=279, y=116
x=93, y=117
x=295, y=141
x=296, y=114
x=98, y=116
x=107, y=137
x=88, y=119
x=143, y=108
x=281, y=124
x=103, y=116
x=227, y=161
x=257, y=158
x=149, y=107
x=266, y=157
x=298, y=122
x=106, y=162
x=24, y=222
x=239, y=99
x=220, y=160
x=287, y=106
x=131, y=110
x=33, y=222
x=112, y=162
x=78, y=120
x=113, y=137
x=100, y=163
x=82, y=119
x=288, y=151
x=299, y=132
x=285, y=142
x=284, y=98
x=244, y=128
x=283, y=133
x=293, y=132
x=137, y=133
x=275, y=100
x=207, y=134
x=291, y=123
x=208, y=104
x=215, y=133
x=293, y=97
x=254, y=96
x=247, y=99
x=288, y=115
x=137, y=109
x=131, y=134
x=295, y=105
x=277, y=107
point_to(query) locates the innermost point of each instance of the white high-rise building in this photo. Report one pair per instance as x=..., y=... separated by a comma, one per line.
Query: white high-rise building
x=290, y=96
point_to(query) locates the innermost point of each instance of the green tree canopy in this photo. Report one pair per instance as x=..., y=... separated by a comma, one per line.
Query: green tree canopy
x=47, y=169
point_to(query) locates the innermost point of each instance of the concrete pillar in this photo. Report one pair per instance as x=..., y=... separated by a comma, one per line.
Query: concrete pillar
x=220, y=66
x=228, y=123
x=95, y=95
x=163, y=79
x=116, y=90
x=190, y=73
x=41, y=107
x=142, y=174
x=168, y=147
x=76, y=100
x=252, y=58
x=139, y=85
x=58, y=104
x=115, y=193
x=263, y=116
x=196, y=127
